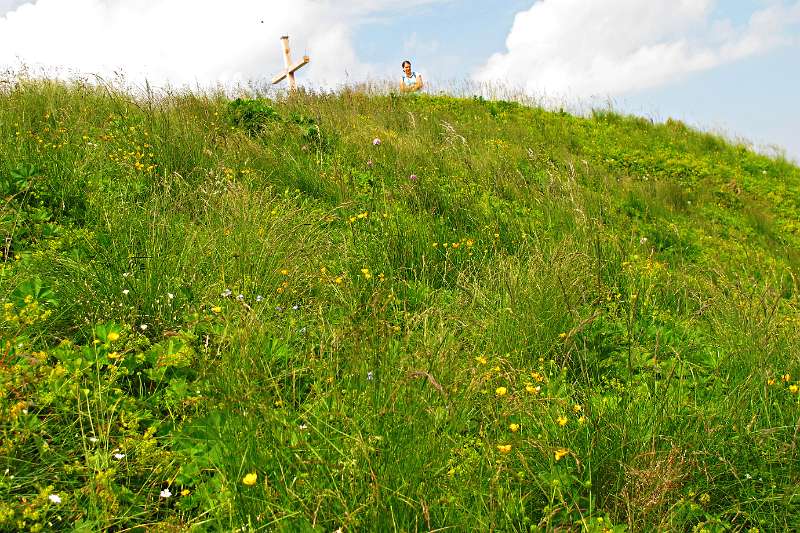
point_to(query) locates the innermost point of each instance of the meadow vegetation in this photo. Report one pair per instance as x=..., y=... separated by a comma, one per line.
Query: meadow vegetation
x=377, y=313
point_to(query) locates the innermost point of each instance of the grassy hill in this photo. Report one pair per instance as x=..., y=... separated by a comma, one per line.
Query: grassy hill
x=375, y=313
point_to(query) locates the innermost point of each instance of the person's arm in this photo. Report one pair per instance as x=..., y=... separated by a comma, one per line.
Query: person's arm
x=403, y=86
x=419, y=84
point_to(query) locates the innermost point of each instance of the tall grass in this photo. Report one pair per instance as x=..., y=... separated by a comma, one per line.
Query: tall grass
x=558, y=323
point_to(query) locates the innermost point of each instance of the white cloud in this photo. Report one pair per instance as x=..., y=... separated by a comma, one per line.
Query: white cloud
x=187, y=41
x=584, y=48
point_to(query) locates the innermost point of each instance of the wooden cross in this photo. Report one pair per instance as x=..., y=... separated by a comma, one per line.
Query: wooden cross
x=290, y=69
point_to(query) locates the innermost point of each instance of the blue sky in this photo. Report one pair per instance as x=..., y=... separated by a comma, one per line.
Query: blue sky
x=728, y=66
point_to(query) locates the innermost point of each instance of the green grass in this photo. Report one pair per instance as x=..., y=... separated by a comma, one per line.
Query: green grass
x=624, y=293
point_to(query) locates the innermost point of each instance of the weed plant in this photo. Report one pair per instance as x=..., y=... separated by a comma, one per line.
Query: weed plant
x=364, y=312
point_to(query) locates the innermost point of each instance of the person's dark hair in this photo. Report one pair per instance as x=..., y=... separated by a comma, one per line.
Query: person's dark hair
x=404, y=63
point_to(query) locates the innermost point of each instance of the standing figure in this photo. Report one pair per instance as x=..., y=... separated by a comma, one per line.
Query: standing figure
x=411, y=82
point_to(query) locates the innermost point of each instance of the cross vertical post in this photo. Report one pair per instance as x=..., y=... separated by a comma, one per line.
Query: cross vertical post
x=287, y=61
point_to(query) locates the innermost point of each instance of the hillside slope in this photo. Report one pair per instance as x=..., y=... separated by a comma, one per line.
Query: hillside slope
x=378, y=313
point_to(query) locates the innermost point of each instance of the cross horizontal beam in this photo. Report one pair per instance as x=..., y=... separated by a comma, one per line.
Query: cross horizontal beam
x=291, y=70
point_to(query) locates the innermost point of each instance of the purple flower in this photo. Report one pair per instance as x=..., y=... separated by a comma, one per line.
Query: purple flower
x=376, y=142
x=413, y=177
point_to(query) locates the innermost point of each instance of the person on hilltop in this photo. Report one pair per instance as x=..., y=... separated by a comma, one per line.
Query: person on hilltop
x=412, y=81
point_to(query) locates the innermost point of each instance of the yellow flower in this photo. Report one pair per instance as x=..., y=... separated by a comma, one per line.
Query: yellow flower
x=338, y=280
x=537, y=376
x=216, y=309
x=771, y=381
x=562, y=335
x=366, y=273
x=365, y=214
x=562, y=421
x=501, y=391
x=113, y=336
x=284, y=272
x=514, y=428
x=577, y=408
x=561, y=453
x=250, y=479
x=185, y=492
x=481, y=360
x=533, y=390
x=786, y=377
x=582, y=420
x=504, y=448
x=793, y=389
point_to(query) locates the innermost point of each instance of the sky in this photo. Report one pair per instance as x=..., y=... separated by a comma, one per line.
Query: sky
x=727, y=66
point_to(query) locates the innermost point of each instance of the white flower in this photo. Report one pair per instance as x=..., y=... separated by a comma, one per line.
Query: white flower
x=259, y=298
x=170, y=295
x=55, y=498
x=369, y=375
x=119, y=456
x=165, y=493
x=240, y=297
x=92, y=439
x=226, y=293
x=125, y=292
x=143, y=327
x=303, y=427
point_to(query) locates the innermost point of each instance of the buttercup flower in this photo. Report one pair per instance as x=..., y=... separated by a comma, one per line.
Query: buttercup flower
x=504, y=448
x=561, y=453
x=514, y=428
x=501, y=391
x=250, y=479
x=562, y=421
x=113, y=336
